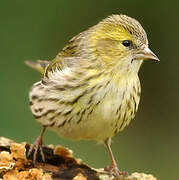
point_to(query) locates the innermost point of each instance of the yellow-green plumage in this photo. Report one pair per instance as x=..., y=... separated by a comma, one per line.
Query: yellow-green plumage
x=91, y=90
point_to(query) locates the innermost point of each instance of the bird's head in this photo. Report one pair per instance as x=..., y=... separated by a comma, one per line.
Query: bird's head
x=121, y=41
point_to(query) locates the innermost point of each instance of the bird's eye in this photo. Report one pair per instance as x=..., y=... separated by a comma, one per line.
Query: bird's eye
x=126, y=43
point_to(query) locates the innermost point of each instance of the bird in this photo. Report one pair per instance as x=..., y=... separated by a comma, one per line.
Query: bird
x=91, y=89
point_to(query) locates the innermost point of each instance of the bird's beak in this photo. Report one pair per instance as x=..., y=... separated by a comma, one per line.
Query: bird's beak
x=146, y=54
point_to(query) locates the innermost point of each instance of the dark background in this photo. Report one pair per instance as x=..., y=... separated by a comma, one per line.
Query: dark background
x=39, y=29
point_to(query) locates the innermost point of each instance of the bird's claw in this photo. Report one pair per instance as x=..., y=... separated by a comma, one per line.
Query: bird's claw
x=114, y=171
x=35, y=148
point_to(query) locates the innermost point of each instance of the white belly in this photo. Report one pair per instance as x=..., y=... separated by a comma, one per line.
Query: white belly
x=110, y=110
x=106, y=119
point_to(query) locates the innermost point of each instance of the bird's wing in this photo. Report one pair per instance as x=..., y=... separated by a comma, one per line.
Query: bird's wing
x=59, y=64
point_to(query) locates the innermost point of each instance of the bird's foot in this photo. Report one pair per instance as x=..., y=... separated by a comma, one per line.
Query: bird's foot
x=35, y=148
x=114, y=171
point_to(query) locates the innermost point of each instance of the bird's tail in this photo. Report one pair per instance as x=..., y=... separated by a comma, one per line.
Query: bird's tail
x=38, y=65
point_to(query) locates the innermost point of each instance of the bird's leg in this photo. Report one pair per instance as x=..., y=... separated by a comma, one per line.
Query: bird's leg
x=37, y=146
x=112, y=169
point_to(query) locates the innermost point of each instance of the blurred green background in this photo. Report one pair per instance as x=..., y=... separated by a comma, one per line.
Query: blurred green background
x=39, y=29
